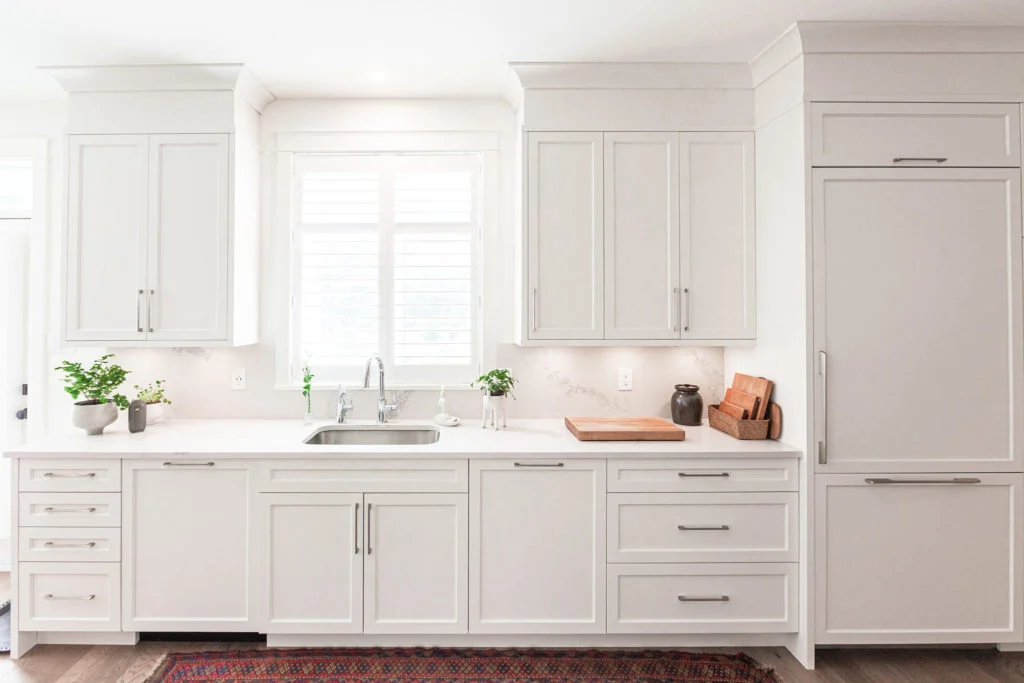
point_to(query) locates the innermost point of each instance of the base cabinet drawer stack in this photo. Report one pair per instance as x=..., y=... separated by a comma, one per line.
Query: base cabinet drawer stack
x=710, y=547
x=69, y=545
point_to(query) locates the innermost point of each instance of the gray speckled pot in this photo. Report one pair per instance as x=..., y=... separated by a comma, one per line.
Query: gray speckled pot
x=94, y=418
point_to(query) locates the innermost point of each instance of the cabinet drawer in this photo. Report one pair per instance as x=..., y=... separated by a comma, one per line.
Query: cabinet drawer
x=69, y=544
x=702, y=598
x=985, y=135
x=69, y=475
x=69, y=509
x=79, y=596
x=363, y=476
x=685, y=475
x=702, y=527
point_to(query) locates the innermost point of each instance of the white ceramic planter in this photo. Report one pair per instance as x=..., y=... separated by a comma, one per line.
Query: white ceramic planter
x=155, y=412
x=494, y=411
x=94, y=418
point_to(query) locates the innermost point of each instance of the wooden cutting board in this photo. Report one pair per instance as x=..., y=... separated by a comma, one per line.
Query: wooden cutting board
x=757, y=386
x=742, y=399
x=624, y=429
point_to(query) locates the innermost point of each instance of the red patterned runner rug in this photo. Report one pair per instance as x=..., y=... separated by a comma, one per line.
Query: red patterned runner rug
x=430, y=665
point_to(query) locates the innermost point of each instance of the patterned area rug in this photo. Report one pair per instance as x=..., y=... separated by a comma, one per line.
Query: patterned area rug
x=428, y=665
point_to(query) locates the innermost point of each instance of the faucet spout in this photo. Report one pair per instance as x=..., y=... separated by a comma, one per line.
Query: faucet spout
x=383, y=407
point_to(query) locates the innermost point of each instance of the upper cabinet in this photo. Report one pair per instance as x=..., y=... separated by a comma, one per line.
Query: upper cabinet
x=639, y=238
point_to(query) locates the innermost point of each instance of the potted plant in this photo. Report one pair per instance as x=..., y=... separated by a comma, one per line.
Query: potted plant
x=153, y=396
x=95, y=386
x=307, y=391
x=496, y=385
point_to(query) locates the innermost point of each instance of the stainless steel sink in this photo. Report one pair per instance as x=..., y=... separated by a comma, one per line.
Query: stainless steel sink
x=373, y=435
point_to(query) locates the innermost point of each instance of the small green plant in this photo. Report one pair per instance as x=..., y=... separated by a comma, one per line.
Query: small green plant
x=152, y=393
x=307, y=386
x=496, y=382
x=95, y=384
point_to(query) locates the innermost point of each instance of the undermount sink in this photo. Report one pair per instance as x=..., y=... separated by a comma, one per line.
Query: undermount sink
x=373, y=435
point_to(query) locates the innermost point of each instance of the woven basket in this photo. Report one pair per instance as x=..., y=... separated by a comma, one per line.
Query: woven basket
x=748, y=430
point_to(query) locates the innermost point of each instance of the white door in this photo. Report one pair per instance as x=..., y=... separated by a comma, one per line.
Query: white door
x=908, y=559
x=187, y=282
x=641, y=236
x=416, y=569
x=716, y=200
x=106, y=237
x=186, y=546
x=308, y=562
x=917, y=320
x=537, y=547
x=565, y=234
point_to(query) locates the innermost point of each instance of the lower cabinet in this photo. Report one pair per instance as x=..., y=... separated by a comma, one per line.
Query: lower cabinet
x=185, y=545
x=918, y=558
x=69, y=596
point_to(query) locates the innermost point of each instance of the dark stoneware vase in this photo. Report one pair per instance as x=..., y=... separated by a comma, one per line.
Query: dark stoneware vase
x=687, y=405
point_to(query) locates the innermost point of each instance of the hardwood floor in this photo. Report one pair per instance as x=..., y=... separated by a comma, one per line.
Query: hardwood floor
x=87, y=664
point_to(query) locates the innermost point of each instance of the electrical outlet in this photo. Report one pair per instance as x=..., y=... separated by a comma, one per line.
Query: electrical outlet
x=238, y=379
x=625, y=379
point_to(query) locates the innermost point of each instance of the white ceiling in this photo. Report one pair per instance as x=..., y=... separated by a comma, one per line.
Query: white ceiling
x=416, y=47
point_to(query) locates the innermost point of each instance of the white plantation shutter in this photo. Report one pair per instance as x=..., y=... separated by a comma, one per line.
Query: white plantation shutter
x=385, y=262
x=15, y=187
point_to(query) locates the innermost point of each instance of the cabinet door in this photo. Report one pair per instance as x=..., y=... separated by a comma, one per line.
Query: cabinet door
x=186, y=540
x=641, y=238
x=716, y=199
x=106, y=237
x=565, y=234
x=537, y=548
x=187, y=288
x=918, y=562
x=416, y=572
x=308, y=562
x=917, y=320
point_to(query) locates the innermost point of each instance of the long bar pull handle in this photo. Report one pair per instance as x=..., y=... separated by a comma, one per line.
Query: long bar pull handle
x=189, y=464
x=538, y=464
x=355, y=530
x=533, y=310
x=686, y=293
x=69, y=475
x=703, y=527
x=149, y=310
x=54, y=544
x=138, y=312
x=703, y=474
x=68, y=510
x=937, y=160
x=823, y=443
x=51, y=596
x=369, y=531
x=675, y=309
x=699, y=598
x=954, y=480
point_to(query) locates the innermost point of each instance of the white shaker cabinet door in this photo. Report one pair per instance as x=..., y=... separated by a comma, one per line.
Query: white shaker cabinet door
x=716, y=199
x=565, y=236
x=917, y=320
x=537, y=546
x=106, y=237
x=186, y=546
x=416, y=566
x=308, y=562
x=641, y=236
x=187, y=289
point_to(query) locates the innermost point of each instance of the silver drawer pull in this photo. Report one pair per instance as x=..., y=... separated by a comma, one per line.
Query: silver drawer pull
x=51, y=596
x=539, y=464
x=54, y=544
x=707, y=527
x=703, y=474
x=703, y=598
x=68, y=510
x=189, y=464
x=69, y=475
x=954, y=480
x=937, y=160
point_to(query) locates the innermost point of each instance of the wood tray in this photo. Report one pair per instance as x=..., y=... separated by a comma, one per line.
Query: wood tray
x=624, y=429
x=748, y=430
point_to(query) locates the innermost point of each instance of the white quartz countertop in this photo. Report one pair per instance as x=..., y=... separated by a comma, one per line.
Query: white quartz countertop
x=284, y=438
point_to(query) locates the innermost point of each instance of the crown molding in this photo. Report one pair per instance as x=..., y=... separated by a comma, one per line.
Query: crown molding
x=822, y=37
x=632, y=75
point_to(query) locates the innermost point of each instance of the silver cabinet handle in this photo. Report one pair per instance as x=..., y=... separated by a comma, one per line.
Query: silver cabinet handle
x=149, y=310
x=675, y=309
x=823, y=444
x=68, y=510
x=189, y=464
x=703, y=527
x=69, y=475
x=686, y=293
x=369, y=532
x=355, y=530
x=51, y=596
x=703, y=474
x=937, y=160
x=54, y=544
x=138, y=312
x=954, y=480
x=538, y=464
x=699, y=598
x=533, y=311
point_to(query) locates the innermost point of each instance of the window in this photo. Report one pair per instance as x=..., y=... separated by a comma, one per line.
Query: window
x=384, y=260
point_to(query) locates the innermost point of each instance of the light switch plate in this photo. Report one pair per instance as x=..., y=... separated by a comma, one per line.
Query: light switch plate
x=238, y=379
x=625, y=379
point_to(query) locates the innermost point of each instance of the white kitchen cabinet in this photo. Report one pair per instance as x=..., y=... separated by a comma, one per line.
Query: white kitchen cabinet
x=537, y=546
x=186, y=546
x=641, y=236
x=309, y=562
x=717, y=235
x=911, y=559
x=565, y=236
x=917, y=320
x=415, y=563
